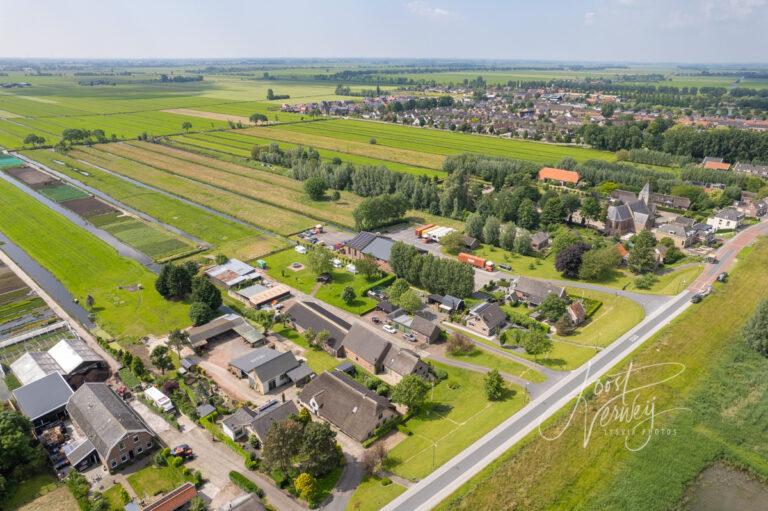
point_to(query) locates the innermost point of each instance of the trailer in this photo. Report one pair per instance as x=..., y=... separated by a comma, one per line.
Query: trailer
x=420, y=230
x=477, y=262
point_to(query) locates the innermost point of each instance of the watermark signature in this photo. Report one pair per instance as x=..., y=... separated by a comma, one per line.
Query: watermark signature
x=624, y=410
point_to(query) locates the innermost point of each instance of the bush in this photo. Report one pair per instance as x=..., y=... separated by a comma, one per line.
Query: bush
x=175, y=461
x=245, y=484
x=645, y=281
x=160, y=460
x=386, y=481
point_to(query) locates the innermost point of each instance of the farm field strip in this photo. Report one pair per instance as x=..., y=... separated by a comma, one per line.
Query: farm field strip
x=316, y=138
x=86, y=265
x=440, y=142
x=248, y=210
x=243, y=143
x=279, y=191
x=193, y=220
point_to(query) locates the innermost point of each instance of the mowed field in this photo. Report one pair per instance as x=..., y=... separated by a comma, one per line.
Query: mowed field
x=125, y=298
x=279, y=191
x=226, y=236
x=240, y=142
x=429, y=145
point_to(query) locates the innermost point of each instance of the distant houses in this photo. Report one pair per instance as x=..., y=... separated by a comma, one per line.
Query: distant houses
x=533, y=292
x=224, y=327
x=267, y=369
x=44, y=400
x=486, y=318
x=726, y=219
x=232, y=273
x=257, y=422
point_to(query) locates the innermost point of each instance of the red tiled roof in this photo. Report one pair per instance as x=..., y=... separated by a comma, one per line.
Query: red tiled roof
x=568, y=176
x=175, y=499
x=715, y=165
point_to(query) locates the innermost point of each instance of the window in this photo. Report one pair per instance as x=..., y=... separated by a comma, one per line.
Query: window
x=139, y=449
x=113, y=463
x=149, y=444
x=121, y=445
x=123, y=457
x=135, y=439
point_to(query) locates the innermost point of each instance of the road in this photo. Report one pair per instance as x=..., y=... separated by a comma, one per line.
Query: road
x=430, y=491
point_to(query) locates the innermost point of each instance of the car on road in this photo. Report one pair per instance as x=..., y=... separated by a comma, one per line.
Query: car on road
x=722, y=277
x=182, y=451
x=410, y=337
x=697, y=298
x=711, y=259
x=390, y=329
x=505, y=267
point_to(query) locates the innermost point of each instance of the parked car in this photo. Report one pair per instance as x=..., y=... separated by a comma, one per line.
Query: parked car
x=375, y=320
x=324, y=278
x=390, y=329
x=710, y=259
x=722, y=277
x=505, y=267
x=696, y=298
x=182, y=451
x=410, y=337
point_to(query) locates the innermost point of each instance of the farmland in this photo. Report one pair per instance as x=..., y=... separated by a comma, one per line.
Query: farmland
x=126, y=301
x=282, y=193
x=235, y=204
x=434, y=144
x=225, y=235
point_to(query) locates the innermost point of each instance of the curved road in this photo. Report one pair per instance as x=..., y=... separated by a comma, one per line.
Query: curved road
x=430, y=491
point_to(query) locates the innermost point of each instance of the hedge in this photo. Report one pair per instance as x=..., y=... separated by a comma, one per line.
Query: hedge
x=245, y=484
x=219, y=435
x=385, y=428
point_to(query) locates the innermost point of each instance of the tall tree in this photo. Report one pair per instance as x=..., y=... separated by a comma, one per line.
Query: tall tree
x=318, y=452
x=282, y=444
x=642, y=257
x=507, y=237
x=568, y=260
x=177, y=340
x=474, y=226
x=411, y=391
x=204, y=291
x=494, y=386
x=161, y=358
x=491, y=230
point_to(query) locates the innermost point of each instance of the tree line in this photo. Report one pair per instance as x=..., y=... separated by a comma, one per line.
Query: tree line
x=435, y=274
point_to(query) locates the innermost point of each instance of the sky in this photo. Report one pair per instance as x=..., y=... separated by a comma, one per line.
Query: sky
x=680, y=31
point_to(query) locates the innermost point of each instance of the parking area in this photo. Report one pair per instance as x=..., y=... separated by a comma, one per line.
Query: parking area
x=330, y=236
x=407, y=234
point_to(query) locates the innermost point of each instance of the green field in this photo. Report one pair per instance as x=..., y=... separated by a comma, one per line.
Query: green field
x=721, y=393
x=278, y=267
x=438, y=142
x=150, y=239
x=490, y=360
x=86, y=265
x=372, y=495
x=318, y=359
x=62, y=192
x=227, y=236
x=453, y=419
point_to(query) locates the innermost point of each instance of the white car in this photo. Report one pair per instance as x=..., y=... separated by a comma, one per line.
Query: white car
x=336, y=263
x=390, y=329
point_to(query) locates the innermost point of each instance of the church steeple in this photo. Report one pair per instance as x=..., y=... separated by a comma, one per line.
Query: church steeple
x=645, y=194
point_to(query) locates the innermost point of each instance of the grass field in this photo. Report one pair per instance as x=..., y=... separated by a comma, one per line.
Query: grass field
x=454, y=419
x=305, y=280
x=721, y=405
x=115, y=496
x=58, y=498
x=490, y=360
x=318, y=360
x=239, y=143
x=86, y=265
x=241, y=207
x=62, y=192
x=152, y=480
x=614, y=318
x=284, y=207
x=437, y=142
x=150, y=239
x=227, y=236
x=30, y=490
x=372, y=495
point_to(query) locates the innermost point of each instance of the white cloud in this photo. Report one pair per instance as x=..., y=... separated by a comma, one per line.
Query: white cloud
x=729, y=9
x=589, y=18
x=427, y=10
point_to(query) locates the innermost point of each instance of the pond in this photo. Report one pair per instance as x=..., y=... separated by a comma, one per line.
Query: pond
x=722, y=487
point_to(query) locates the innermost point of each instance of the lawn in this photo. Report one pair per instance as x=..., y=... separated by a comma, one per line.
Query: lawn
x=117, y=497
x=86, y=265
x=612, y=320
x=305, y=280
x=491, y=360
x=372, y=495
x=33, y=488
x=453, y=419
x=62, y=192
x=439, y=142
x=152, y=480
x=230, y=237
x=150, y=239
x=318, y=360
x=721, y=406
x=59, y=499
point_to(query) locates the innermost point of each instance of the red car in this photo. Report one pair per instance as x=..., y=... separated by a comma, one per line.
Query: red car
x=182, y=451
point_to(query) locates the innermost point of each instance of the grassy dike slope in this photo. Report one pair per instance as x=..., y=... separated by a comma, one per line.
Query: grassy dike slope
x=723, y=385
x=86, y=265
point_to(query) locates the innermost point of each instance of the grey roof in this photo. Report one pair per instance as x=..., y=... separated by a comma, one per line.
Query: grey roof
x=306, y=316
x=372, y=244
x=490, y=313
x=241, y=418
x=620, y=213
x=540, y=237
x=682, y=220
x=34, y=365
x=43, y=395
x=402, y=361
x=453, y=302
x=103, y=417
x=189, y=362
x=72, y=353
x=366, y=344
x=674, y=229
x=77, y=451
x=266, y=416
x=217, y=327
x=300, y=372
x=424, y=326
x=248, y=502
x=386, y=306
x=205, y=410
x=361, y=241
x=265, y=363
x=345, y=403
x=729, y=214
x=537, y=288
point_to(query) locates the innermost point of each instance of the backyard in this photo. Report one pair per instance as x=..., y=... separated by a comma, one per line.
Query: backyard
x=153, y=480
x=372, y=494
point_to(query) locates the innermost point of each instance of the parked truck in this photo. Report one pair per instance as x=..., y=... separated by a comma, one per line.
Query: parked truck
x=420, y=229
x=477, y=262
